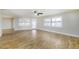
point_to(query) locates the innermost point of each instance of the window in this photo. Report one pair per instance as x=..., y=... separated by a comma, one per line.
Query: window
x=47, y=22
x=54, y=22
x=33, y=23
x=24, y=22
x=58, y=22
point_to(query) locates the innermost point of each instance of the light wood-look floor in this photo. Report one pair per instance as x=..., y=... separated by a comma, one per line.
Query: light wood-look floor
x=37, y=39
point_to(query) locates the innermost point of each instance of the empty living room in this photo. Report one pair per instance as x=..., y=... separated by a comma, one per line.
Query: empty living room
x=39, y=29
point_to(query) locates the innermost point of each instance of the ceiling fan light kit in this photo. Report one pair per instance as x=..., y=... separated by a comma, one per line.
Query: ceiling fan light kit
x=37, y=13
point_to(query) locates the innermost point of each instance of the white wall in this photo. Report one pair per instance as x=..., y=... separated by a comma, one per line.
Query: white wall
x=6, y=19
x=6, y=23
x=0, y=24
x=3, y=23
x=70, y=23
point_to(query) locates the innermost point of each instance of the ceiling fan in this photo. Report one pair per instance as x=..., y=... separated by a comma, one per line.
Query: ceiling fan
x=37, y=13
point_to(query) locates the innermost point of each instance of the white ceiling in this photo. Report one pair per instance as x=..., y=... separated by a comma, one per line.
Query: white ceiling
x=29, y=12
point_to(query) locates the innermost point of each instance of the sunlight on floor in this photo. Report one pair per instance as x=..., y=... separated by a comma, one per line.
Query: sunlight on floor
x=34, y=33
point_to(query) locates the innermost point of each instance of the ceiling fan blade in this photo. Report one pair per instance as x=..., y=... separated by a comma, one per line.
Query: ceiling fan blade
x=39, y=14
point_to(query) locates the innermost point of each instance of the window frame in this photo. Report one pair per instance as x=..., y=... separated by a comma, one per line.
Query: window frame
x=53, y=23
x=24, y=22
x=47, y=22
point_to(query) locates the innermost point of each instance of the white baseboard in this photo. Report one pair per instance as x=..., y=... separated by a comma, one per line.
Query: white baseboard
x=23, y=29
x=61, y=33
x=52, y=31
x=0, y=32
